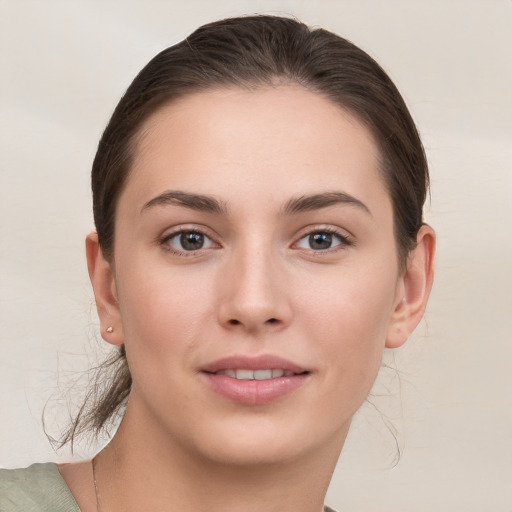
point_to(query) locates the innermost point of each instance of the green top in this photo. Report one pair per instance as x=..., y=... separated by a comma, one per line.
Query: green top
x=39, y=488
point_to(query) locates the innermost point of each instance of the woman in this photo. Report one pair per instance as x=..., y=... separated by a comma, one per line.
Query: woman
x=258, y=201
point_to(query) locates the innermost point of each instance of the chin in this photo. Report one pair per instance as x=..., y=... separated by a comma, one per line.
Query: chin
x=266, y=444
x=251, y=454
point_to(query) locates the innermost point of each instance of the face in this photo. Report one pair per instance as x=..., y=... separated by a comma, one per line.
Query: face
x=256, y=273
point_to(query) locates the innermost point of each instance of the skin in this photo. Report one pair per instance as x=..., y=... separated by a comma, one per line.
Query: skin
x=257, y=286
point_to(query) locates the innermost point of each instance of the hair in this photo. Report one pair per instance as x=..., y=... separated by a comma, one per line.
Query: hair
x=253, y=52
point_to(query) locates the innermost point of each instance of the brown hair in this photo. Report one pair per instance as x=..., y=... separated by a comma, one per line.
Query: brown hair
x=251, y=52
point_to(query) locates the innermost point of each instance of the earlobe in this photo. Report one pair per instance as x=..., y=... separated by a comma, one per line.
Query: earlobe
x=105, y=292
x=414, y=289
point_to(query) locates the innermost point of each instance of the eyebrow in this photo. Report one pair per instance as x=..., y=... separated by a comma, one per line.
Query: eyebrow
x=209, y=204
x=317, y=201
x=197, y=202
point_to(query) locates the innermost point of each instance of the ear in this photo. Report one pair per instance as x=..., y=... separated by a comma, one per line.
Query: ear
x=414, y=289
x=104, y=286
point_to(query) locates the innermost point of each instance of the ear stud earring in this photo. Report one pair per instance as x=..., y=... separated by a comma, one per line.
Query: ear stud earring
x=110, y=329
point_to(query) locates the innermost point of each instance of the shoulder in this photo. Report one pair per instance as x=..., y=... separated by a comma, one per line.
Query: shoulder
x=38, y=488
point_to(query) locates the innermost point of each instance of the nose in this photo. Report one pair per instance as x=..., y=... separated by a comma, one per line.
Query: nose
x=255, y=294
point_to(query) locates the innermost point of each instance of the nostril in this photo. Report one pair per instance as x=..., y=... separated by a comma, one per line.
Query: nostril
x=234, y=321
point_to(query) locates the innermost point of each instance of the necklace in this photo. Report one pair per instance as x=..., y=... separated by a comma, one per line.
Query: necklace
x=98, y=509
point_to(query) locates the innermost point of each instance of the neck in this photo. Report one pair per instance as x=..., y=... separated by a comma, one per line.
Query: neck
x=139, y=471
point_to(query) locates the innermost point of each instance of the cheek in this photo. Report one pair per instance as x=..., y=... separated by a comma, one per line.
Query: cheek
x=162, y=311
x=348, y=319
x=163, y=318
x=350, y=304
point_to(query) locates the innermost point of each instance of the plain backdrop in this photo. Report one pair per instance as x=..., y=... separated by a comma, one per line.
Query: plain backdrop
x=447, y=408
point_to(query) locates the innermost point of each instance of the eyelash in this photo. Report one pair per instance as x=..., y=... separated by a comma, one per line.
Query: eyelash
x=344, y=241
x=165, y=242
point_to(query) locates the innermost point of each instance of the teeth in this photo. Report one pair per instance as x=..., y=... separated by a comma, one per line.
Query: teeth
x=262, y=374
x=242, y=374
x=229, y=373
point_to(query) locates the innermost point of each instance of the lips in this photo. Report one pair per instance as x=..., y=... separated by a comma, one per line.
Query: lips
x=244, y=374
x=263, y=362
x=254, y=380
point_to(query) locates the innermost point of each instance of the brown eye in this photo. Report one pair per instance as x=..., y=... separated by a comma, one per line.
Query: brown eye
x=322, y=241
x=188, y=241
x=191, y=241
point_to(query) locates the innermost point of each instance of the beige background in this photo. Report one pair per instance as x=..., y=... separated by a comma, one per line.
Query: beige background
x=64, y=65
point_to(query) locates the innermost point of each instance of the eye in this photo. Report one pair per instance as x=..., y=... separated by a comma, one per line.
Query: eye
x=188, y=241
x=322, y=241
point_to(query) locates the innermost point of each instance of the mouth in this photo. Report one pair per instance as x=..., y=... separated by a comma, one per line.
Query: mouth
x=254, y=380
x=246, y=374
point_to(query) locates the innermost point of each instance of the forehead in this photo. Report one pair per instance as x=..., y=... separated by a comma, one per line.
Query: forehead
x=269, y=140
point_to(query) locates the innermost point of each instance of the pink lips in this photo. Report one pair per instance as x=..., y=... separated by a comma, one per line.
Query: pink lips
x=256, y=391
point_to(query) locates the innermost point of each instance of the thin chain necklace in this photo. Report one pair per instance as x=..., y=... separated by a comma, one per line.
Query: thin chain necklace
x=98, y=508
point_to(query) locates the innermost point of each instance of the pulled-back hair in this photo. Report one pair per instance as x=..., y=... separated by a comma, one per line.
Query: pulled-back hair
x=252, y=52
